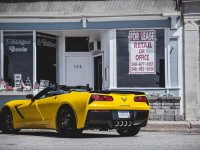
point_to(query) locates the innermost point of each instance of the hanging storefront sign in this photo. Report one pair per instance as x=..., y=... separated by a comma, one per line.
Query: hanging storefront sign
x=142, y=56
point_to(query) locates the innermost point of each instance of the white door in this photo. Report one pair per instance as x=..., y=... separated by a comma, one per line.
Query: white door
x=78, y=70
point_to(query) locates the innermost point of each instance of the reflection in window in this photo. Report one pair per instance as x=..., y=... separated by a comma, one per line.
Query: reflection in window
x=46, y=57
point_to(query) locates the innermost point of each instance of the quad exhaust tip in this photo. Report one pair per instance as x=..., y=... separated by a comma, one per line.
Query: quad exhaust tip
x=123, y=123
x=129, y=123
x=116, y=123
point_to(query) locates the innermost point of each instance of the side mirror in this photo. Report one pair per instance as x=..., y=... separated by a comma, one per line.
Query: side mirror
x=30, y=96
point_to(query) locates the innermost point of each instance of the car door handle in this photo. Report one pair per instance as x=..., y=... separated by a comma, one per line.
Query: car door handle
x=55, y=97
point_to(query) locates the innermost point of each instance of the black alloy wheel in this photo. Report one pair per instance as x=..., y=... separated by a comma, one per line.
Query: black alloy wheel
x=6, y=123
x=66, y=123
x=128, y=132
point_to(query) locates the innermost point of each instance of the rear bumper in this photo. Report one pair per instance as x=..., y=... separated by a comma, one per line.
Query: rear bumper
x=110, y=119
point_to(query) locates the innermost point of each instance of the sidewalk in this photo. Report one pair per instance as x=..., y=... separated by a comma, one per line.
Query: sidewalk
x=173, y=126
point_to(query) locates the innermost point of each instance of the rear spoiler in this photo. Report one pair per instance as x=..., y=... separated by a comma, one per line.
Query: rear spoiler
x=118, y=92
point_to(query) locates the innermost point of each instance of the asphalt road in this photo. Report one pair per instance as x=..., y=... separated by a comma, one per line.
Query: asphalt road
x=94, y=140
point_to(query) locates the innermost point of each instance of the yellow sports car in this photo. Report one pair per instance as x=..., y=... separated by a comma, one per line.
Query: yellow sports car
x=70, y=110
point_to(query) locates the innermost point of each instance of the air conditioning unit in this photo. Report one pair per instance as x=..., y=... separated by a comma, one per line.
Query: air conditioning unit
x=95, y=46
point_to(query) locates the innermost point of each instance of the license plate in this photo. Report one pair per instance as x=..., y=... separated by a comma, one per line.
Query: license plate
x=123, y=114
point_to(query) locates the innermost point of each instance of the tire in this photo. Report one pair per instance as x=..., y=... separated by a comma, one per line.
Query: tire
x=6, y=124
x=128, y=132
x=66, y=123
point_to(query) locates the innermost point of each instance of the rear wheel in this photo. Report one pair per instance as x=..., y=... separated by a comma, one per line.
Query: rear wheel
x=128, y=132
x=6, y=123
x=66, y=123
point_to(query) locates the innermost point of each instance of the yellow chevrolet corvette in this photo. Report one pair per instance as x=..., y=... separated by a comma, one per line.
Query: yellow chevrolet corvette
x=70, y=110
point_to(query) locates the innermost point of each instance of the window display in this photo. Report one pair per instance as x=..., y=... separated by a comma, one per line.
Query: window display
x=17, y=80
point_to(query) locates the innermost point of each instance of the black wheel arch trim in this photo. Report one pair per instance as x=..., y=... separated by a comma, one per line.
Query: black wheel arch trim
x=5, y=107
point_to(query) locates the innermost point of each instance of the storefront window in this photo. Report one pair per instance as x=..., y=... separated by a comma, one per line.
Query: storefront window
x=155, y=77
x=46, y=57
x=76, y=44
x=18, y=56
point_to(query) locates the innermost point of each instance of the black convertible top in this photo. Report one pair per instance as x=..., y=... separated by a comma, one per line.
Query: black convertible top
x=62, y=89
x=87, y=88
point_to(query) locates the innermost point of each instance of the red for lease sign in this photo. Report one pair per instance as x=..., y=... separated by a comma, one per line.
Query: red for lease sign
x=142, y=57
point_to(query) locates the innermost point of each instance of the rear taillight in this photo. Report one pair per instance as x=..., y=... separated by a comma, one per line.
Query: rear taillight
x=95, y=97
x=141, y=99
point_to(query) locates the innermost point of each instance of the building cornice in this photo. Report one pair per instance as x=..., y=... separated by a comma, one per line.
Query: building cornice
x=77, y=17
x=85, y=14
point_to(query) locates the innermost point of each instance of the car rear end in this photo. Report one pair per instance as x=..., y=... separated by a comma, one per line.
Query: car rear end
x=117, y=110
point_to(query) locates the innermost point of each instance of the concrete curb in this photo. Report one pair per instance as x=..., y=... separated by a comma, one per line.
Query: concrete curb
x=195, y=127
x=173, y=126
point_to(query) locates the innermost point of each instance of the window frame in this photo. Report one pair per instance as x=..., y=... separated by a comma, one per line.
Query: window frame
x=168, y=33
x=164, y=53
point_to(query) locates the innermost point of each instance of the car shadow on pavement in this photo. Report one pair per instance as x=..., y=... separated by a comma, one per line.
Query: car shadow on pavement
x=97, y=135
x=32, y=133
x=56, y=135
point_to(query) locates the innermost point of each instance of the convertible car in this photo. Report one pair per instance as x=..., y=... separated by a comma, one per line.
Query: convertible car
x=70, y=110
